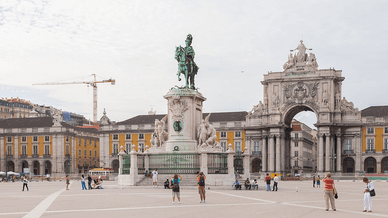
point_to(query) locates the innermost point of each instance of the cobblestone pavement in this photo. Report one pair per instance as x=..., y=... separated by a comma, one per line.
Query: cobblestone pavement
x=293, y=199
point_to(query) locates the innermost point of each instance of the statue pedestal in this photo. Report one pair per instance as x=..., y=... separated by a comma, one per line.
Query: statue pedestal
x=184, y=115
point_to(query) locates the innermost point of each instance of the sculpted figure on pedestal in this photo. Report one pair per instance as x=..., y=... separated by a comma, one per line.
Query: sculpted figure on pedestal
x=346, y=106
x=160, y=135
x=337, y=100
x=325, y=98
x=301, y=55
x=257, y=109
x=290, y=63
x=207, y=134
x=186, y=65
x=312, y=61
x=275, y=101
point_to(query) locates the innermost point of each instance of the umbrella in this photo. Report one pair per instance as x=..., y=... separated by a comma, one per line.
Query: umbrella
x=2, y=173
x=10, y=173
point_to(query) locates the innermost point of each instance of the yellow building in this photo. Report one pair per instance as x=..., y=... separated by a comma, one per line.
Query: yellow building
x=375, y=139
x=44, y=146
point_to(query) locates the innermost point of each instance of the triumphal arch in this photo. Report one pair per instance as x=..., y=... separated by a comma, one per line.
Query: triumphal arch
x=302, y=86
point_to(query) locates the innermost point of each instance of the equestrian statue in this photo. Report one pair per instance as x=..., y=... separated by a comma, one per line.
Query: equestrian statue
x=186, y=64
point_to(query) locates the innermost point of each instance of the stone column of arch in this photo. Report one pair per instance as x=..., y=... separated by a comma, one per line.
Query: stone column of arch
x=378, y=164
x=264, y=154
x=332, y=152
x=73, y=161
x=16, y=154
x=271, y=154
x=358, y=162
x=30, y=166
x=41, y=166
x=320, y=152
x=339, y=152
x=282, y=154
x=328, y=150
x=2, y=155
x=278, y=153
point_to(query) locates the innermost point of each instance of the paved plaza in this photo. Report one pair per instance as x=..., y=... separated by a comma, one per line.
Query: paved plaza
x=294, y=199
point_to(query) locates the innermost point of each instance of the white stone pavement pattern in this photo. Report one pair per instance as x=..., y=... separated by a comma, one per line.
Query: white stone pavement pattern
x=294, y=199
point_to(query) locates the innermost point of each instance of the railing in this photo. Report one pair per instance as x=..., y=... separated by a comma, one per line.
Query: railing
x=23, y=156
x=35, y=155
x=9, y=155
x=385, y=150
x=256, y=153
x=47, y=155
x=370, y=151
x=115, y=155
x=67, y=155
x=348, y=151
x=175, y=163
x=217, y=163
x=141, y=164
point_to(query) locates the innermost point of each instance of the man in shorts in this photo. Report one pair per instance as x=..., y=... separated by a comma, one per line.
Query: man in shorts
x=201, y=186
x=155, y=178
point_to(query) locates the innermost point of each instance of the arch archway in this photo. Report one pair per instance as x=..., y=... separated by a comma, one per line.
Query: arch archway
x=67, y=166
x=348, y=165
x=291, y=112
x=370, y=165
x=115, y=166
x=384, y=165
x=10, y=166
x=24, y=165
x=304, y=87
x=300, y=143
x=47, y=167
x=36, y=166
x=256, y=165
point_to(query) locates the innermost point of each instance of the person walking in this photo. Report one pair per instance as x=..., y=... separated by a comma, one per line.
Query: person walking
x=89, y=182
x=318, y=182
x=176, y=179
x=67, y=182
x=275, y=183
x=268, y=181
x=367, y=198
x=25, y=183
x=155, y=178
x=313, y=181
x=201, y=187
x=83, y=182
x=329, y=193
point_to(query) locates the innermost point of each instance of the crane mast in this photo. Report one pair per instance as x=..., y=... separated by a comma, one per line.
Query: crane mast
x=91, y=83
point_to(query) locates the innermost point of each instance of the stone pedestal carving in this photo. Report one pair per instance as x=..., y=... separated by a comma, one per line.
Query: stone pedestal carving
x=184, y=115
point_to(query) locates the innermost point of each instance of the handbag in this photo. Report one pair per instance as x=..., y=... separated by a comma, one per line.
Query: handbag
x=372, y=193
x=335, y=193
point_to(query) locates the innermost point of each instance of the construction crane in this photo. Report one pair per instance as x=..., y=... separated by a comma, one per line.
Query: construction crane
x=91, y=83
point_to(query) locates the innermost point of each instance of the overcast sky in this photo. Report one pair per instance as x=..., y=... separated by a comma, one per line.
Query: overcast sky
x=134, y=43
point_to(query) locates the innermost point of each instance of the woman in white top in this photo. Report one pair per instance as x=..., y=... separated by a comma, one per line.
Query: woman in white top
x=368, y=187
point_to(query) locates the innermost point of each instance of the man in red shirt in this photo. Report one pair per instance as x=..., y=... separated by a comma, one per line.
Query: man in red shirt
x=329, y=193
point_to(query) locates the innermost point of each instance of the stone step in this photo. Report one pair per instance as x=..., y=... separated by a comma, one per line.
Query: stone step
x=187, y=180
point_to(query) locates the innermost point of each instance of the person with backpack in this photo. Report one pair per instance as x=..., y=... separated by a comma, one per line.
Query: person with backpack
x=89, y=182
x=175, y=188
x=268, y=181
x=201, y=187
